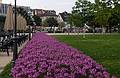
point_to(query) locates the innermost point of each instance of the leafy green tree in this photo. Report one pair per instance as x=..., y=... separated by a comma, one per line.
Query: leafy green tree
x=38, y=20
x=61, y=25
x=2, y=22
x=104, y=13
x=101, y=12
x=77, y=20
x=107, y=14
x=45, y=24
x=52, y=23
x=83, y=8
x=25, y=14
x=70, y=20
x=116, y=12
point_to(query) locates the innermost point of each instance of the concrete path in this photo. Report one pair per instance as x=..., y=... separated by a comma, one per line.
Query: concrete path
x=4, y=59
x=77, y=33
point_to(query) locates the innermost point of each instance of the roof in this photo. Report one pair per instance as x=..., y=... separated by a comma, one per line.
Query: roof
x=64, y=16
x=42, y=13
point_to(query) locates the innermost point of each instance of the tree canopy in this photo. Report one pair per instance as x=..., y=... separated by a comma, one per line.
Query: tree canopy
x=51, y=22
x=2, y=22
x=105, y=13
x=38, y=20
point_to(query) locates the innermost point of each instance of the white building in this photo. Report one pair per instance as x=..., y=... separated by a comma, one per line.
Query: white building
x=63, y=17
x=3, y=8
x=44, y=14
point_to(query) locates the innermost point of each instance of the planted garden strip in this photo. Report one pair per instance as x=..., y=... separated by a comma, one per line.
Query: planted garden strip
x=45, y=57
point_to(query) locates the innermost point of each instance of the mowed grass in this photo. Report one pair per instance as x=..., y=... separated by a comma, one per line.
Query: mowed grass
x=6, y=73
x=105, y=49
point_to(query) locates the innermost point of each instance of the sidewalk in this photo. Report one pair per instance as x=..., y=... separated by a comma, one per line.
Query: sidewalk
x=77, y=33
x=4, y=59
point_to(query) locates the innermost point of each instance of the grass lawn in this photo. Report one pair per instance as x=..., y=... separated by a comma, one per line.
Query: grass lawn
x=105, y=49
x=6, y=72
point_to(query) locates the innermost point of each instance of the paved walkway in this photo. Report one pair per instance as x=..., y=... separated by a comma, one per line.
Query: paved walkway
x=77, y=33
x=4, y=59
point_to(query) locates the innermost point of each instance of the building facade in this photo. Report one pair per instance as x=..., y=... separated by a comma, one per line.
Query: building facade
x=3, y=9
x=44, y=14
x=64, y=17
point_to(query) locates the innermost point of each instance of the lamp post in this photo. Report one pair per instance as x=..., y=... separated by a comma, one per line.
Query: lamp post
x=34, y=25
x=29, y=32
x=29, y=13
x=15, y=35
x=31, y=27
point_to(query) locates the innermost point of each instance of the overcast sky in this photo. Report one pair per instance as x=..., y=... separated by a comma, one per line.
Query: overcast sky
x=57, y=5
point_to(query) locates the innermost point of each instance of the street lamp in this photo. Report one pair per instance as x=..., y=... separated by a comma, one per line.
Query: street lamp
x=29, y=14
x=32, y=22
x=15, y=35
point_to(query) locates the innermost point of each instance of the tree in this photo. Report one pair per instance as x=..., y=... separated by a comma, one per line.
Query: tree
x=61, y=25
x=45, y=24
x=103, y=12
x=116, y=13
x=52, y=23
x=83, y=8
x=82, y=13
x=38, y=20
x=25, y=14
x=2, y=22
x=70, y=20
x=114, y=21
x=77, y=20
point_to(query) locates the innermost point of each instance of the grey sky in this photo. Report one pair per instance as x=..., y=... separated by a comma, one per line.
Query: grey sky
x=57, y=5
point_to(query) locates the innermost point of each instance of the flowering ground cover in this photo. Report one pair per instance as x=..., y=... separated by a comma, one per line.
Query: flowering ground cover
x=104, y=48
x=45, y=57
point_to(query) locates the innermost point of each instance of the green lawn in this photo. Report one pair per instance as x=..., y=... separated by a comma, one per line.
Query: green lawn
x=105, y=49
x=6, y=72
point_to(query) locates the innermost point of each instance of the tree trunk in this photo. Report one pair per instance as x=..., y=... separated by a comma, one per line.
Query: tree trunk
x=54, y=29
x=78, y=32
x=107, y=29
x=118, y=29
x=68, y=31
x=110, y=29
x=75, y=30
x=93, y=29
x=50, y=28
x=83, y=33
x=103, y=29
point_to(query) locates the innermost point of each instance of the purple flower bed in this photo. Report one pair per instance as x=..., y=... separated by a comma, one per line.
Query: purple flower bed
x=45, y=57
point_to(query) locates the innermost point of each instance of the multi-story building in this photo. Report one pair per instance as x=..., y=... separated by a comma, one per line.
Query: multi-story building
x=44, y=14
x=63, y=17
x=3, y=8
